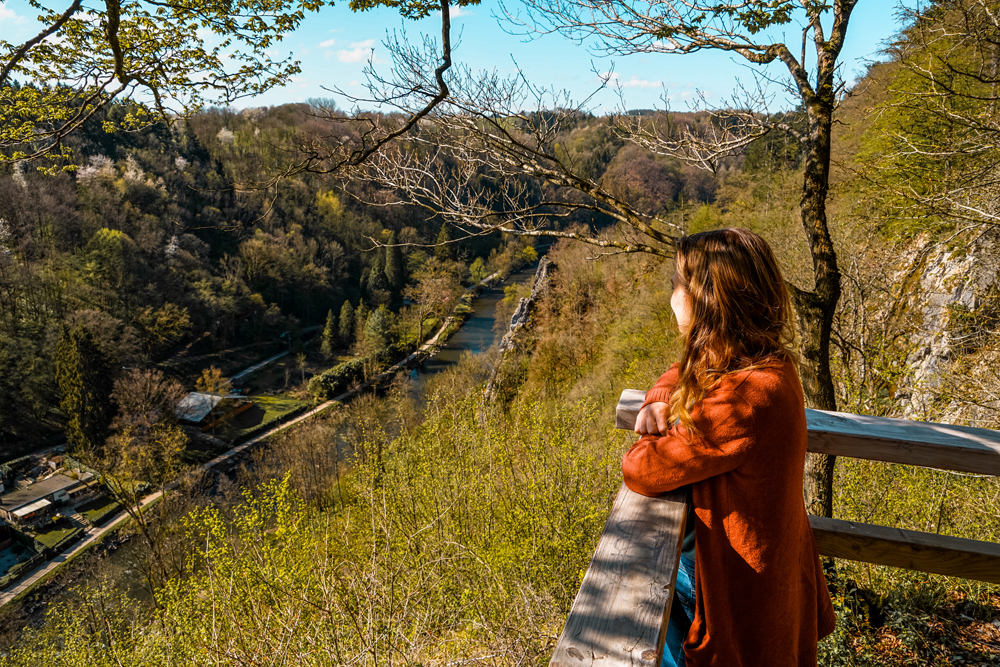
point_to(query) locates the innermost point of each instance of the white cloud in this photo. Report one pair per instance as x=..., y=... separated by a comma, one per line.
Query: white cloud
x=9, y=15
x=325, y=44
x=455, y=12
x=639, y=83
x=354, y=83
x=614, y=79
x=359, y=52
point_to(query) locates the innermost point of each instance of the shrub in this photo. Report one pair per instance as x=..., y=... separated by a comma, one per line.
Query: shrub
x=331, y=382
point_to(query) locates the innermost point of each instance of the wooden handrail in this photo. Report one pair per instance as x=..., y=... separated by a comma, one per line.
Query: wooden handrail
x=926, y=444
x=619, y=615
x=908, y=549
x=961, y=448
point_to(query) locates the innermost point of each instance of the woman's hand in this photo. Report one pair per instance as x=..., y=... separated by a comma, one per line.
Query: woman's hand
x=652, y=419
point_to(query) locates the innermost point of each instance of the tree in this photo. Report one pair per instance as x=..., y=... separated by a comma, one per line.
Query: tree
x=162, y=327
x=435, y=290
x=442, y=245
x=937, y=135
x=378, y=331
x=361, y=315
x=483, y=128
x=85, y=378
x=156, y=55
x=377, y=284
x=329, y=334
x=145, y=398
x=144, y=451
x=300, y=362
x=345, y=326
x=477, y=271
x=393, y=264
x=213, y=383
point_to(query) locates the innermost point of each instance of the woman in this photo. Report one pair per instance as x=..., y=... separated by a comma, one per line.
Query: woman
x=729, y=420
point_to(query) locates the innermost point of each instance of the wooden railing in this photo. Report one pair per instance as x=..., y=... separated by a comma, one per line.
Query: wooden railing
x=619, y=615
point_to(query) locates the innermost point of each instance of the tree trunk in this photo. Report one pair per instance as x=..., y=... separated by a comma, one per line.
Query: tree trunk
x=815, y=309
x=814, y=319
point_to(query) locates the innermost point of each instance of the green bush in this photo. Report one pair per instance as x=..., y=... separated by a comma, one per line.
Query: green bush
x=331, y=382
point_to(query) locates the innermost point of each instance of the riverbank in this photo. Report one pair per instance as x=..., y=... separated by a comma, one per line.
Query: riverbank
x=48, y=571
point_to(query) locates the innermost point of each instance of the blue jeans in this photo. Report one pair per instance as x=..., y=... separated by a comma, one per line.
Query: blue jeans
x=681, y=615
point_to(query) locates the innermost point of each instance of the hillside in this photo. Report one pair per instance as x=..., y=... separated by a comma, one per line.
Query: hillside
x=452, y=527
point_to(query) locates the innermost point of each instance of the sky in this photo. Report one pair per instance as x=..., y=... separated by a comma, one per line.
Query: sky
x=335, y=44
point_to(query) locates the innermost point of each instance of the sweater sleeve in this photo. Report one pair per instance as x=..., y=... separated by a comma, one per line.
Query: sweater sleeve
x=727, y=433
x=660, y=393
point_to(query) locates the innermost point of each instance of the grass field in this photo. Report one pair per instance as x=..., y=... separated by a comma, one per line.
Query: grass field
x=98, y=509
x=56, y=534
x=265, y=409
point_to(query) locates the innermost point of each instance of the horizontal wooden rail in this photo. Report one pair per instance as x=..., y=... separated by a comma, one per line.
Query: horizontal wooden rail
x=926, y=552
x=619, y=614
x=961, y=448
x=897, y=441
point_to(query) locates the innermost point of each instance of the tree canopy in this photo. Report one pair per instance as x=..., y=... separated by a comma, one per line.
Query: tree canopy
x=167, y=58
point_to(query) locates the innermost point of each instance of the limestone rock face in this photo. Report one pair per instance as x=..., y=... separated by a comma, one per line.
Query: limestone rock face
x=519, y=321
x=523, y=311
x=951, y=292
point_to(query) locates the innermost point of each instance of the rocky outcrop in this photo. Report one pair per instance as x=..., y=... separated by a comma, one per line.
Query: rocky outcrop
x=522, y=314
x=519, y=321
x=947, y=295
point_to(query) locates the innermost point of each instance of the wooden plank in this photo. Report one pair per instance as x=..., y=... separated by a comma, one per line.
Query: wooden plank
x=619, y=615
x=628, y=408
x=926, y=444
x=941, y=554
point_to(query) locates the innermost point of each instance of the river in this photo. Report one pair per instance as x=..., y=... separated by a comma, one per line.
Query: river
x=476, y=335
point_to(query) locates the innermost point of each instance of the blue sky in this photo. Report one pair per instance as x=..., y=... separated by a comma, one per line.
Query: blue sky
x=335, y=44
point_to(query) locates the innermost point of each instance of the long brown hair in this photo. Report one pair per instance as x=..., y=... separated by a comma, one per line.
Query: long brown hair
x=740, y=312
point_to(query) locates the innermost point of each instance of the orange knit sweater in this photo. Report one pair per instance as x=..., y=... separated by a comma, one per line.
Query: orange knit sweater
x=761, y=597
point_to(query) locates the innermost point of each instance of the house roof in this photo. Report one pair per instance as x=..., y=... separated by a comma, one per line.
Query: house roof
x=196, y=406
x=33, y=507
x=15, y=500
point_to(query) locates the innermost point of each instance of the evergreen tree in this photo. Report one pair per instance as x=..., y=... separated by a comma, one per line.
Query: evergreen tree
x=346, y=324
x=329, y=334
x=85, y=379
x=360, y=319
x=393, y=264
x=378, y=330
x=376, y=278
x=442, y=247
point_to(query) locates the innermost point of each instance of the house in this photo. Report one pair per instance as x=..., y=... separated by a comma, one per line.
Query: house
x=208, y=410
x=38, y=501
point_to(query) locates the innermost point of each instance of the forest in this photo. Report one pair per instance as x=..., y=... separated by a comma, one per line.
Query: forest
x=454, y=527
